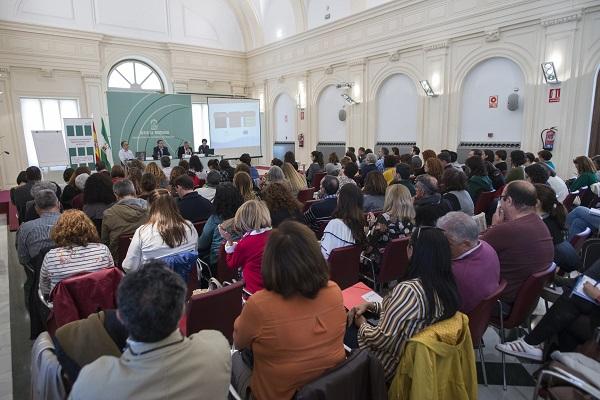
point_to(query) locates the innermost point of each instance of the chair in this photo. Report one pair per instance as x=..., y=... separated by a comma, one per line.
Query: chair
x=344, y=265
x=570, y=199
x=201, y=182
x=46, y=372
x=307, y=204
x=224, y=273
x=124, y=242
x=306, y=194
x=483, y=201
x=317, y=178
x=216, y=310
x=526, y=300
x=499, y=191
x=578, y=240
x=185, y=264
x=321, y=225
x=479, y=319
x=590, y=252
x=199, y=226
x=394, y=264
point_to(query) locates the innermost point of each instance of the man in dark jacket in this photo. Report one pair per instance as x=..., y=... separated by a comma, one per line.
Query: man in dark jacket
x=22, y=194
x=428, y=202
x=192, y=206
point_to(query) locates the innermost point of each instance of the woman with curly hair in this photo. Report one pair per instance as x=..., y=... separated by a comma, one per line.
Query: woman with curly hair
x=161, y=178
x=243, y=182
x=281, y=204
x=78, y=250
x=98, y=196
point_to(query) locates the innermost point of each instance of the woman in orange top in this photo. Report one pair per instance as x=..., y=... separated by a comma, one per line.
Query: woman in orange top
x=295, y=327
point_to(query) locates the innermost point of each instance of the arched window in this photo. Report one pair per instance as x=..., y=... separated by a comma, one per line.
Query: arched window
x=134, y=75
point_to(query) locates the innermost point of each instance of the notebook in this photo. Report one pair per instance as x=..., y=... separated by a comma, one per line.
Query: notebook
x=578, y=289
x=358, y=294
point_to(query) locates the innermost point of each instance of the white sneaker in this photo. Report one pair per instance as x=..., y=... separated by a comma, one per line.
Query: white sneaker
x=520, y=348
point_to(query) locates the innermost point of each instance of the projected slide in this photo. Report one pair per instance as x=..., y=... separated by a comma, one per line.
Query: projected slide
x=234, y=126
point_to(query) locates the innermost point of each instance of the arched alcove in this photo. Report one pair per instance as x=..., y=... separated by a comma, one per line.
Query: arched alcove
x=397, y=110
x=329, y=104
x=284, y=118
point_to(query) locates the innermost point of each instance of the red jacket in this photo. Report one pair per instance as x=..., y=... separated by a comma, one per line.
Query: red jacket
x=248, y=255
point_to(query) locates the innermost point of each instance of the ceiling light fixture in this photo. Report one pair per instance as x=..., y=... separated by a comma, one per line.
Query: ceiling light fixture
x=549, y=72
x=349, y=99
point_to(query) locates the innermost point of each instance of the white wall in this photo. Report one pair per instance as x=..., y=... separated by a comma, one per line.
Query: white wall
x=397, y=110
x=317, y=10
x=331, y=129
x=278, y=20
x=284, y=113
x=493, y=77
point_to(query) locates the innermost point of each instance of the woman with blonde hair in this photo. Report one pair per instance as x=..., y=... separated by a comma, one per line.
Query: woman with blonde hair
x=243, y=182
x=161, y=178
x=297, y=180
x=397, y=220
x=165, y=234
x=253, y=222
x=586, y=173
x=79, y=250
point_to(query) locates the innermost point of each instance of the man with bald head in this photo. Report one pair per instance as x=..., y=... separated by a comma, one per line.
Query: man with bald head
x=520, y=238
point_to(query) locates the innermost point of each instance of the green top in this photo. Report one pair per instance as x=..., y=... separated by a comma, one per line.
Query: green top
x=478, y=184
x=583, y=180
x=515, y=174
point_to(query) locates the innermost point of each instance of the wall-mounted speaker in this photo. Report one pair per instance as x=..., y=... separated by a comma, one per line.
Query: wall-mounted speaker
x=513, y=102
x=342, y=115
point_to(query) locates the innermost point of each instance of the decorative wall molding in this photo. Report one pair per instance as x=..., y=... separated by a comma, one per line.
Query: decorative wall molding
x=492, y=35
x=561, y=19
x=395, y=56
x=329, y=70
x=443, y=44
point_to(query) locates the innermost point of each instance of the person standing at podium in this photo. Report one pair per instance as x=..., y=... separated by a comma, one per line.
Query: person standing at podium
x=204, y=147
x=160, y=150
x=125, y=154
x=184, y=150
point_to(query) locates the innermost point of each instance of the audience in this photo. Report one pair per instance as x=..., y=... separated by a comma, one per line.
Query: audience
x=147, y=185
x=479, y=180
x=97, y=197
x=30, y=212
x=333, y=167
x=581, y=218
x=78, y=250
x=20, y=195
x=282, y=205
x=117, y=173
x=316, y=166
x=529, y=158
x=434, y=167
x=210, y=188
x=276, y=162
x=70, y=190
x=80, y=185
x=403, y=178
x=165, y=234
x=557, y=184
x=454, y=187
x=124, y=217
x=159, y=362
x=389, y=168
x=290, y=157
x=489, y=156
x=226, y=170
x=295, y=327
x=253, y=222
x=517, y=172
x=245, y=158
x=428, y=296
x=323, y=209
x=537, y=173
x=428, y=201
x=134, y=174
x=586, y=173
x=165, y=164
x=374, y=191
x=347, y=226
x=192, y=206
x=520, y=238
x=348, y=173
x=161, y=179
x=296, y=180
x=274, y=174
x=370, y=160
x=176, y=172
x=545, y=156
x=197, y=169
x=475, y=264
x=243, y=182
x=383, y=152
x=500, y=161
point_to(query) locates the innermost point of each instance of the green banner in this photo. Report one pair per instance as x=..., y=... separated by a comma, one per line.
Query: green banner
x=144, y=118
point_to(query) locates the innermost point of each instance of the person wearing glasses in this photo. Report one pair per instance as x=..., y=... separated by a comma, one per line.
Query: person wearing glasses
x=429, y=295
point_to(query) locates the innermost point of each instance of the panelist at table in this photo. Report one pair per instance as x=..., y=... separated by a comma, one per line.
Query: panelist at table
x=204, y=147
x=124, y=153
x=160, y=150
x=184, y=150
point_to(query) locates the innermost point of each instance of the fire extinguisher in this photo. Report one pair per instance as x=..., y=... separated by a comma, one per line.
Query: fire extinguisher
x=301, y=140
x=548, y=136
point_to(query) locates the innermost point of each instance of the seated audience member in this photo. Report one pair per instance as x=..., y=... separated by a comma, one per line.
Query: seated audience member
x=370, y=160
x=97, y=196
x=562, y=325
x=347, y=226
x=196, y=169
x=192, y=206
x=581, y=218
x=333, y=167
x=30, y=212
x=165, y=164
x=290, y=157
x=537, y=173
x=317, y=165
x=489, y=156
x=529, y=158
x=165, y=234
x=383, y=151
x=495, y=175
x=21, y=181
x=33, y=236
x=427, y=154
x=253, y=222
x=389, y=168
x=445, y=159
x=428, y=201
x=227, y=200
x=520, y=238
x=323, y=209
x=243, y=182
x=70, y=190
x=281, y=204
x=20, y=195
x=296, y=180
x=176, y=172
x=80, y=184
x=500, y=161
x=147, y=185
x=475, y=264
x=403, y=177
x=295, y=327
x=476, y=153
x=517, y=172
x=276, y=162
x=396, y=220
x=245, y=158
x=433, y=166
x=209, y=189
x=226, y=170
x=554, y=215
x=101, y=167
x=586, y=173
x=416, y=160
x=545, y=156
x=134, y=174
x=159, y=362
x=274, y=174
x=428, y=296
x=347, y=175
x=361, y=155
x=479, y=180
x=117, y=173
x=374, y=191
x=454, y=187
x=78, y=250
x=124, y=217
x=557, y=184
x=596, y=160
x=162, y=181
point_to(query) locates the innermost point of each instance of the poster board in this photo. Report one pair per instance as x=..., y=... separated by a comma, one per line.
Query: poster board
x=80, y=142
x=50, y=148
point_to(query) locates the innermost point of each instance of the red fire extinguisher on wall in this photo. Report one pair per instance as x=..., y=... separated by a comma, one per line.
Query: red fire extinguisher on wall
x=548, y=136
x=301, y=140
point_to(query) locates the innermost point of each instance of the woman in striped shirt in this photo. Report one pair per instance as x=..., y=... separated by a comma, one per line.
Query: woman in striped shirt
x=78, y=250
x=428, y=296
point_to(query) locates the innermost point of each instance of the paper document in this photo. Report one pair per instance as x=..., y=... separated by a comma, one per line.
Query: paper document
x=578, y=289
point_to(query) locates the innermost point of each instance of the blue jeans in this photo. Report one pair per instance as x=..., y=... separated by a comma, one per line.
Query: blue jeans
x=579, y=219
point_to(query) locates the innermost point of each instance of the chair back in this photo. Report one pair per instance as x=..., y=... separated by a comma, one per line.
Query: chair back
x=98, y=224
x=321, y=225
x=46, y=372
x=184, y=264
x=344, y=265
x=224, y=273
x=479, y=317
x=498, y=191
x=317, y=178
x=578, y=240
x=216, y=310
x=568, y=201
x=483, y=201
x=394, y=263
x=590, y=253
x=199, y=226
x=124, y=242
x=528, y=296
x=306, y=194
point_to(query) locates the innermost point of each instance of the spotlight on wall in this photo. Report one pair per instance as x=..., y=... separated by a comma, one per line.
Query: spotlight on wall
x=549, y=72
x=344, y=85
x=427, y=88
x=349, y=99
